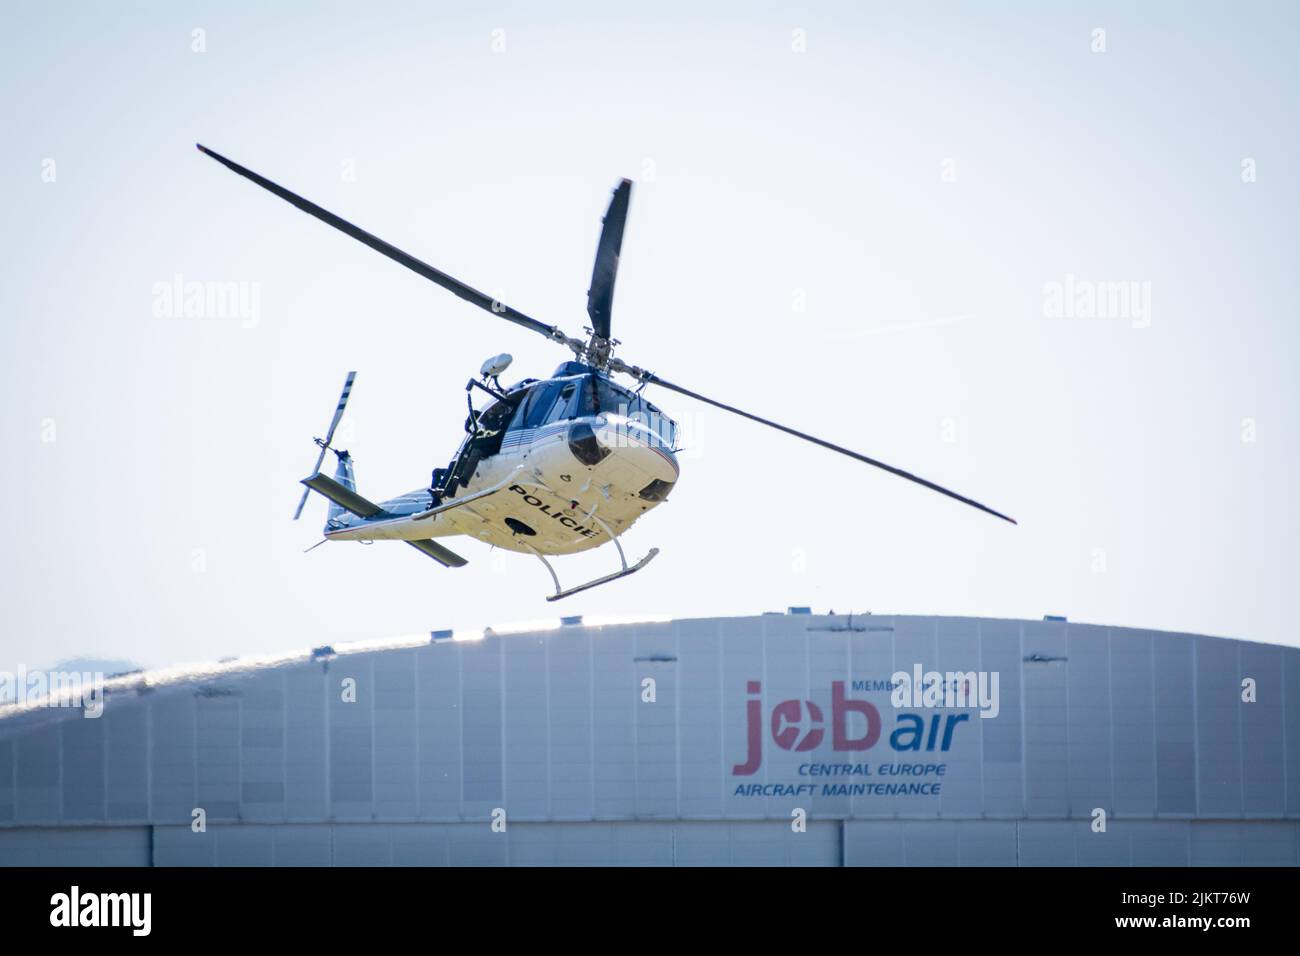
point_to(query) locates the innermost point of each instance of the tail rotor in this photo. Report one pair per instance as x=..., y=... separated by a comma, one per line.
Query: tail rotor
x=329, y=436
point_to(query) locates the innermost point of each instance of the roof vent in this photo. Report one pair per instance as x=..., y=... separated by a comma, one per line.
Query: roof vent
x=574, y=619
x=438, y=636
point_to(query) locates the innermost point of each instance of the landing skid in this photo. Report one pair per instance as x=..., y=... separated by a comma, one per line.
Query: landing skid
x=626, y=569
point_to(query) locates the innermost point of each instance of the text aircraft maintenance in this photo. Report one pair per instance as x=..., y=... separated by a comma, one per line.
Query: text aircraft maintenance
x=548, y=467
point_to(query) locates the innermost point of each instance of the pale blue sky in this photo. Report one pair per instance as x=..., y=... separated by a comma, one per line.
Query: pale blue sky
x=765, y=176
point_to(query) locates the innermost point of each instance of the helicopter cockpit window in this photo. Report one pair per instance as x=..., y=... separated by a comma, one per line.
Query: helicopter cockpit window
x=565, y=404
x=614, y=399
x=536, y=406
x=617, y=400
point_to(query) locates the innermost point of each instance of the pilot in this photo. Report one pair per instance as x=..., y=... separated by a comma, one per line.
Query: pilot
x=486, y=429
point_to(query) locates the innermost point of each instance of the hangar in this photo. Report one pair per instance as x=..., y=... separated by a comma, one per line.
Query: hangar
x=770, y=739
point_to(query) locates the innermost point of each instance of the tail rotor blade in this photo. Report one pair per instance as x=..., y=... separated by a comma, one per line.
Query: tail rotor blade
x=329, y=437
x=302, y=503
x=600, y=297
x=338, y=412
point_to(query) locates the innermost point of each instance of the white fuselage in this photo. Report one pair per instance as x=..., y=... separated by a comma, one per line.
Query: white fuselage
x=567, y=505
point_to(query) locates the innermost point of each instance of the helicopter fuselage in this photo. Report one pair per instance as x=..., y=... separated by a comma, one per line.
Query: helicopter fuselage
x=564, y=484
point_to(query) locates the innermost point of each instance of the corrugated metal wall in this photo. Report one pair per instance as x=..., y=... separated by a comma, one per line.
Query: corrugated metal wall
x=666, y=843
x=553, y=727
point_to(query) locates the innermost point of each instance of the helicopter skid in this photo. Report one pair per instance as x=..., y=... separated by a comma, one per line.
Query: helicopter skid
x=605, y=579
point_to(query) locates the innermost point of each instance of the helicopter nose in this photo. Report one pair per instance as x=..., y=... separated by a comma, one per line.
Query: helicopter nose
x=639, y=450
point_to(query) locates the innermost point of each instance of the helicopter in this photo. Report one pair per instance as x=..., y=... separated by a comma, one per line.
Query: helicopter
x=547, y=467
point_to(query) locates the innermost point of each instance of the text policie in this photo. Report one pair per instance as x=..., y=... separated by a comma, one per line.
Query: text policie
x=560, y=516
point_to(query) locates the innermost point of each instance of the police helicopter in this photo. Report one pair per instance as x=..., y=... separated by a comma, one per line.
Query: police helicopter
x=546, y=467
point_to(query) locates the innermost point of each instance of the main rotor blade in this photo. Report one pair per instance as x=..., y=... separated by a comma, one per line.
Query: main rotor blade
x=482, y=300
x=653, y=379
x=600, y=297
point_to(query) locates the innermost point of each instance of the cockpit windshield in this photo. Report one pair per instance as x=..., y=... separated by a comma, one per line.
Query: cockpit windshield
x=581, y=396
x=614, y=399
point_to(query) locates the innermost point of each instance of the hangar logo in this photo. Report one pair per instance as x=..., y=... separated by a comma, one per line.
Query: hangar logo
x=801, y=726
